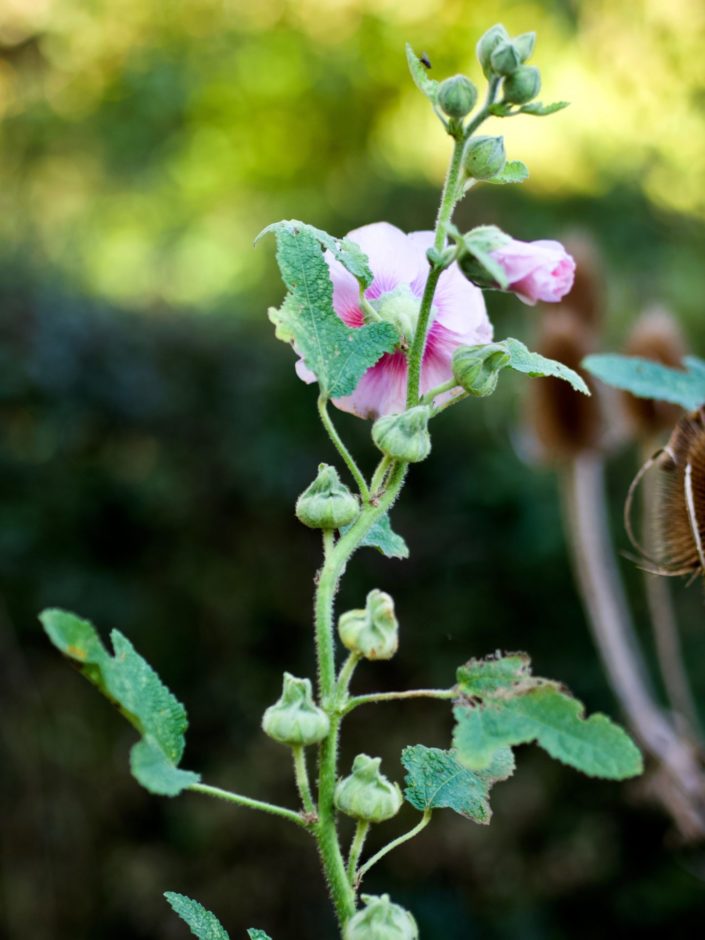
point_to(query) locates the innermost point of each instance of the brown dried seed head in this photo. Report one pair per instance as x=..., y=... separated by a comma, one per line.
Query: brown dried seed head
x=565, y=422
x=656, y=335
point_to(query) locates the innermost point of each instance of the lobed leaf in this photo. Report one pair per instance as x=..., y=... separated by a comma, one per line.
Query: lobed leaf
x=537, y=366
x=647, y=379
x=539, y=109
x=482, y=677
x=337, y=354
x=382, y=537
x=255, y=934
x=202, y=923
x=130, y=682
x=436, y=780
x=347, y=252
x=514, y=172
x=427, y=86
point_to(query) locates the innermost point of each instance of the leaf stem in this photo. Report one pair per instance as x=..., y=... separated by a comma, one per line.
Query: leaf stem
x=249, y=803
x=375, y=698
x=425, y=820
x=358, y=842
x=341, y=448
x=302, y=782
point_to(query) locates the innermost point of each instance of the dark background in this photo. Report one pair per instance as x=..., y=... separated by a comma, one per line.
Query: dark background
x=154, y=439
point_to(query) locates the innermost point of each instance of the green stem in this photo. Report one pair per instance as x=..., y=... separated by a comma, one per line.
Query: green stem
x=375, y=698
x=379, y=475
x=345, y=676
x=246, y=801
x=358, y=842
x=425, y=820
x=302, y=781
x=341, y=448
x=427, y=399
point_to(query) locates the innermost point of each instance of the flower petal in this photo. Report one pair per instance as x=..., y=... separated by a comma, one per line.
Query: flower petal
x=380, y=391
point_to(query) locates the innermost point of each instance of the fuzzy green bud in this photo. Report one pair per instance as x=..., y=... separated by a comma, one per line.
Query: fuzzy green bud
x=505, y=58
x=484, y=157
x=404, y=436
x=327, y=503
x=457, y=96
x=381, y=920
x=296, y=719
x=373, y=632
x=487, y=44
x=525, y=45
x=523, y=85
x=477, y=368
x=367, y=794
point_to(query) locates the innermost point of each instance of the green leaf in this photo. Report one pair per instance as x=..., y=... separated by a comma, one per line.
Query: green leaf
x=483, y=240
x=436, y=780
x=531, y=363
x=647, y=379
x=428, y=86
x=203, y=924
x=514, y=172
x=130, y=682
x=384, y=539
x=505, y=706
x=501, y=109
x=350, y=255
x=338, y=355
x=542, y=110
x=255, y=934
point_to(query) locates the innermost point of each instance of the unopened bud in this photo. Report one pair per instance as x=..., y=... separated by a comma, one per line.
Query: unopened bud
x=404, y=436
x=457, y=96
x=296, y=719
x=367, y=794
x=525, y=45
x=381, y=920
x=372, y=632
x=484, y=157
x=522, y=85
x=327, y=503
x=487, y=44
x=477, y=368
x=505, y=59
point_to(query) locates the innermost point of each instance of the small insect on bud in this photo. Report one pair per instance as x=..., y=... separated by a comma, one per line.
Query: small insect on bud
x=505, y=59
x=477, y=368
x=522, y=85
x=525, y=45
x=487, y=44
x=373, y=632
x=327, y=503
x=404, y=436
x=367, y=794
x=484, y=157
x=295, y=719
x=381, y=920
x=457, y=96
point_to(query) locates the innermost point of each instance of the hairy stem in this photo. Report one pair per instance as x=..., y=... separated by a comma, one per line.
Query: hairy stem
x=249, y=803
x=425, y=820
x=358, y=842
x=327, y=422
x=376, y=697
x=302, y=782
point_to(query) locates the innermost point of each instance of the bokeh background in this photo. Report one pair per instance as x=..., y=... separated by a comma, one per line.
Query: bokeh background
x=153, y=439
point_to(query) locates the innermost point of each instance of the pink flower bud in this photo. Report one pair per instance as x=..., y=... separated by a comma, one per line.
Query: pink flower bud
x=541, y=270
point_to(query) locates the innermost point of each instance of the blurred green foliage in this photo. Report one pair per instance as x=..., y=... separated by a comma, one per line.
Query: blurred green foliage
x=150, y=456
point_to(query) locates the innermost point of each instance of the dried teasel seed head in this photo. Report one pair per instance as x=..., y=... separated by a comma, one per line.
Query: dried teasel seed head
x=655, y=335
x=565, y=423
x=678, y=511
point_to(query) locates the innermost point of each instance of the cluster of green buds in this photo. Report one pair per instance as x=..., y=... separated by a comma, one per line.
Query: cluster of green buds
x=502, y=58
x=371, y=632
x=404, y=436
x=367, y=795
x=379, y=919
x=327, y=503
x=296, y=720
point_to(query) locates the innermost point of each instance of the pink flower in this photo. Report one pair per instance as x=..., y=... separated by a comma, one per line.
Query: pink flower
x=400, y=268
x=541, y=270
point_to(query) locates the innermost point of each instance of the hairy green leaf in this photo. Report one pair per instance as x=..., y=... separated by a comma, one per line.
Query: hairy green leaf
x=338, y=355
x=428, y=86
x=436, y=780
x=382, y=537
x=130, y=682
x=514, y=172
x=531, y=363
x=203, y=924
x=480, y=242
x=539, y=109
x=350, y=255
x=505, y=706
x=647, y=379
x=255, y=934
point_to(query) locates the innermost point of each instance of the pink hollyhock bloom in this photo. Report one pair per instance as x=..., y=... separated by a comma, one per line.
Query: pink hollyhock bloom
x=400, y=268
x=541, y=270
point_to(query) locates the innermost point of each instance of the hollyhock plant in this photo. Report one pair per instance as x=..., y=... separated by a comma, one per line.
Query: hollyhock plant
x=400, y=267
x=540, y=270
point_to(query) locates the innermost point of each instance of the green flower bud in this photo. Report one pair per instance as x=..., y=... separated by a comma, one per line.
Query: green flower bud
x=477, y=368
x=404, y=436
x=484, y=157
x=523, y=85
x=327, y=503
x=296, y=719
x=381, y=920
x=457, y=96
x=525, y=45
x=372, y=632
x=505, y=59
x=367, y=794
x=487, y=44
